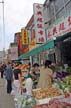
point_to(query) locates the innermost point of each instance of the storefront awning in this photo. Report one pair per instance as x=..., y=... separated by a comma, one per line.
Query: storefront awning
x=46, y=46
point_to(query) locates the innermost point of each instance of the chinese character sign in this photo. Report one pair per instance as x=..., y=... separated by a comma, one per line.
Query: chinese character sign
x=19, y=41
x=39, y=23
x=24, y=36
x=14, y=53
x=60, y=28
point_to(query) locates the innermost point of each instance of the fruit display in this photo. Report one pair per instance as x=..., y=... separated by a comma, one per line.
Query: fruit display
x=46, y=93
x=55, y=103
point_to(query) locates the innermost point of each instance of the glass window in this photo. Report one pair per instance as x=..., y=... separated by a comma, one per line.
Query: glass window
x=68, y=6
x=60, y=14
x=52, y=20
x=46, y=14
x=66, y=1
x=59, y=4
x=51, y=10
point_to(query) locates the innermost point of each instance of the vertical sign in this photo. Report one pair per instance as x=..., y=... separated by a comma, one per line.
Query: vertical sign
x=24, y=36
x=19, y=41
x=39, y=23
x=14, y=53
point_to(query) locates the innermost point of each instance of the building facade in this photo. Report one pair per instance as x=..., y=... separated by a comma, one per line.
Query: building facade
x=57, y=21
x=57, y=14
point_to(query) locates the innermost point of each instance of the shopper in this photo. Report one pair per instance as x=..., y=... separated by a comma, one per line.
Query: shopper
x=32, y=79
x=46, y=75
x=29, y=66
x=1, y=70
x=9, y=77
x=17, y=80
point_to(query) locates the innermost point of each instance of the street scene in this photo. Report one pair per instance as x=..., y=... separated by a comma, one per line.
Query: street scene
x=35, y=54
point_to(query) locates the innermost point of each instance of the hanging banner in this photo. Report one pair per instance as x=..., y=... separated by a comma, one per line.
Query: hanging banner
x=24, y=37
x=39, y=23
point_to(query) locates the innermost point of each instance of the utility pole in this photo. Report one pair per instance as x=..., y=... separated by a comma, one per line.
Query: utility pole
x=3, y=30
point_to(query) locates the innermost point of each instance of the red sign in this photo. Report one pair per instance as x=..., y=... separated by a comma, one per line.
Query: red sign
x=19, y=42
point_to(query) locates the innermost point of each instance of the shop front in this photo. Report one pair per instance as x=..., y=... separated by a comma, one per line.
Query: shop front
x=38, y=54
x=60, y=31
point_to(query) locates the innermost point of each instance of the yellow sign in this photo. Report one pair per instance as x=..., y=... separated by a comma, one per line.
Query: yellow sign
x=33, y=43
x=24, y=37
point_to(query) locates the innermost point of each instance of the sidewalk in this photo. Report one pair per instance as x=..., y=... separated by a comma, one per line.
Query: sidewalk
x=6, y=100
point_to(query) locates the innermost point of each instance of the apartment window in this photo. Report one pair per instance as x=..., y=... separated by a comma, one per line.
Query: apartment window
x=52, y=9
x=60, y=13
x=59, y=4
x=68, y=6
x=52, y=20
x=66, y=1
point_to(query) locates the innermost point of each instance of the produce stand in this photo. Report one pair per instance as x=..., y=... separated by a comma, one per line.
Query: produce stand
x=57, y=95
x=24, y=101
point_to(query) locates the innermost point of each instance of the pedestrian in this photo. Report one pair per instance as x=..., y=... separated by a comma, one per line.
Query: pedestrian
x=46, y=75
x=1, y=70
x=32, y=79
x=17, y=81
x=9, y=77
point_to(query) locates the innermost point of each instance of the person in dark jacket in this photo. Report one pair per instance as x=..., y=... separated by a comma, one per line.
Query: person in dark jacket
x=1, y=70
x=9, y=77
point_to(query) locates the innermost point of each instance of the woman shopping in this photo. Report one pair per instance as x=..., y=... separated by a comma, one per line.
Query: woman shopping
x=17, y=80
x=32, y=79
x=46, y=75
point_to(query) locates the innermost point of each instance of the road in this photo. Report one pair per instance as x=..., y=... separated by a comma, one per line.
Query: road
x=6, y=100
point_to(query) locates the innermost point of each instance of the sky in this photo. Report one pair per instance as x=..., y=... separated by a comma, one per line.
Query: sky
x=16, y=14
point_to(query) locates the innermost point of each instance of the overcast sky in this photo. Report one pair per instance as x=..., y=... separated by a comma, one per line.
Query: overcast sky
x=17, y=15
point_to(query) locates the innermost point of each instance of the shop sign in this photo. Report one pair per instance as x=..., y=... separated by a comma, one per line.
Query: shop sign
x=24, y=36
x=60, y=27
x=13, y=53
x=31, y=47
x=26, y=50
x=39, y=23
x=19, y=41
x=32, y=43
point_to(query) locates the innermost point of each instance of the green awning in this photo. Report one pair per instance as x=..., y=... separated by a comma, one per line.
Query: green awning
x=46, y=46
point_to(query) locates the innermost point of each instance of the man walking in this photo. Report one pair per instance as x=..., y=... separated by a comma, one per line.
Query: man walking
x=9, y=77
